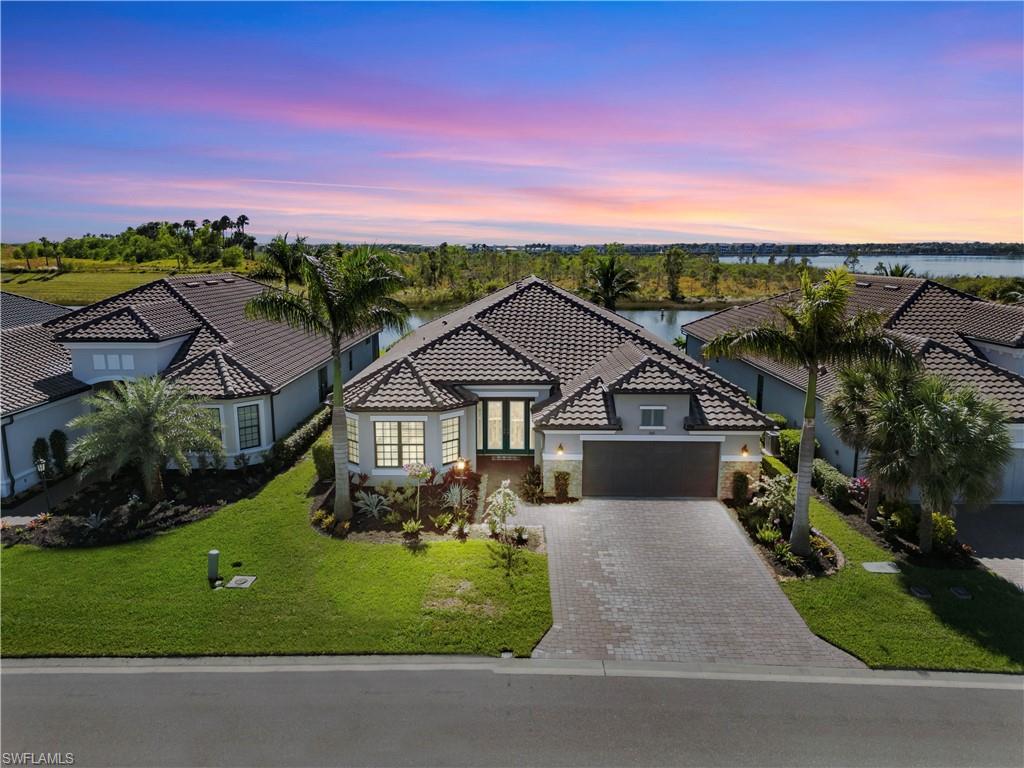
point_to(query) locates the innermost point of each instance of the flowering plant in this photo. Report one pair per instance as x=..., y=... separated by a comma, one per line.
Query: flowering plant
x=858, y=488
x=418, y=471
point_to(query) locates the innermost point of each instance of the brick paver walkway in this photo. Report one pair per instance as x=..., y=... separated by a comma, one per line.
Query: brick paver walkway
x=662, y=580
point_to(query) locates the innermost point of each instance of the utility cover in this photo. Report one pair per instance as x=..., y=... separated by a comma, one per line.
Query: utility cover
x=923, y=592
x=240, y=582
x=881, y=567
x=960, y=592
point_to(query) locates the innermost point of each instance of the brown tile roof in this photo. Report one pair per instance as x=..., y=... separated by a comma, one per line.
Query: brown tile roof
x=937, y=322
x=224, y=354
x=532, y=332
x=34, y=369
x=16, y=311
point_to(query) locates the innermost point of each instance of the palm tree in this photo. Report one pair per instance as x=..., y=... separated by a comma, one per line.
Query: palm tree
x=609, y=280
x=895, y=270
x=860, y=392
x=813, y=332
x=143, y=423
x=346, y=292
x=241, y=223
x=283, y=260
x=954, y=446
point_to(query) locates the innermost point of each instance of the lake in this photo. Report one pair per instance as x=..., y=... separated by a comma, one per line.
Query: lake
x=932, y=266
x=664, y=324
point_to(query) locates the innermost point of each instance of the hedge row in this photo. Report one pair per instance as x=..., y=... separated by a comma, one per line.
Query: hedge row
x=773, y=467
x=289, y=448
x=833, y=484
x=789, y=447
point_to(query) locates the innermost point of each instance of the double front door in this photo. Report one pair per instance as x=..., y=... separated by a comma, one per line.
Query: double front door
x=503, y=426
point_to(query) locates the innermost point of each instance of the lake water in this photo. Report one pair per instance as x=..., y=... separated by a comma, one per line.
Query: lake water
x=664, y=324
x=932, y=266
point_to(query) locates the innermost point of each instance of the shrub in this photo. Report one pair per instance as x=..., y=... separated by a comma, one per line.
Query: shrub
x=412, y=528
x=858, y=490
x=442, y=521
x=59, y=449
x=522, y=536
x=944, y=532
x=531, y=487
x=773, y=467
x=784, y=554
x=288, y=449
x=41, y=450
x=561, y=486
x=461, y=524
x=774, y=498
x=327, y=524
x=752, y=517
x=780, y=420
x=768, y=535
x=231, y=257
x=372, y=504
x=789, y=447
x=833, y=484
x=899, y=518
x=323, y=458
x=391, y=518
x=740, y=487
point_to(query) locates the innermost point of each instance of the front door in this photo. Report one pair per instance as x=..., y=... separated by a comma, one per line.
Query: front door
x=503, y=426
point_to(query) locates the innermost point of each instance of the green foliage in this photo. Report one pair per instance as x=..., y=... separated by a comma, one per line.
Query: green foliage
x=391, y=518
x=561, y=486
x=833, y=484
x=785, y=555
x=774, y=498
x=41, y=451
x=372, y=505
x=232, y=257
x=143, y=424
x=789, y=447
x=609, y=280
x=289, y=448
x=773, y=467
x=531, y=486
x=780, y=420
x=768, y=535
x=442, y=521
x=323, y=458
x=412, y=528
x=458, y=498
x=900, y=518
x=59, y=449
x=943, y=531
x=740, y=487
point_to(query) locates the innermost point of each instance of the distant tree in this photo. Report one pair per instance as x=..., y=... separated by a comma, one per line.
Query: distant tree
x=852, y=261
x=283, y=260
x=346, y=292
x=894, y=270
x=143, y=424
x=674, y=270
x=241, y=223
x=609, y=280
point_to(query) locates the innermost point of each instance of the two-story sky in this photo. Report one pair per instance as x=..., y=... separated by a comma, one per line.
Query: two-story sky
x=517, y=123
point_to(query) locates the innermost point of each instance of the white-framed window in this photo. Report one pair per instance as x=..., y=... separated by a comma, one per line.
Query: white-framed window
x=114, y=362
x=352, y=427
x=99, y=362
x=652, y=416
x=128, y=362
x=397, y=443
x=451, y=445
x=248, y=417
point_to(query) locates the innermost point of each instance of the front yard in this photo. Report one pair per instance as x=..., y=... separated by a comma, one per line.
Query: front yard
x=312, y=594
x=874, y=616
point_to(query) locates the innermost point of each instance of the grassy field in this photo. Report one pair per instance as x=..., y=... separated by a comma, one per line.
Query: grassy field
x=874, y=616
x=75, y=288
x=312, y=594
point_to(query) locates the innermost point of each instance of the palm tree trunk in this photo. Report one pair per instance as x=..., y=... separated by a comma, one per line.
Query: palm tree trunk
x=154, y=486
x=925, y=528
x=871, y=505
x=339, y=439
x=800, y=537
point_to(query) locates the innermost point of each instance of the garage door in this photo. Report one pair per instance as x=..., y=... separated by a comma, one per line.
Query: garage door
x=648, y=469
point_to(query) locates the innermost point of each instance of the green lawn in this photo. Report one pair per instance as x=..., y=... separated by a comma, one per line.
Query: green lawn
x=874, y=617
x=312, y=594
x=75, y=288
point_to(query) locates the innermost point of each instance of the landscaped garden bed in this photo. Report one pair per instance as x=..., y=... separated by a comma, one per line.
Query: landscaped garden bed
x=312, y=594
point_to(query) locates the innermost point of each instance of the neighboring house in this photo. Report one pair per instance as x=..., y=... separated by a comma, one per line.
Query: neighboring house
x=966, y=339
x=532, y=370
x=261, y=378
x=17, y=311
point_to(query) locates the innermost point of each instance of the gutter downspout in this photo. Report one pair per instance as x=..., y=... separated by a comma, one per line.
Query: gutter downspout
x=7, y=455
x=273, y=420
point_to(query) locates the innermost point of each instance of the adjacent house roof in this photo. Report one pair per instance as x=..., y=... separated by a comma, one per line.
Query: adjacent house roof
x=532, y=332
x=222, y=353
x=16, y=311
x=942, y=325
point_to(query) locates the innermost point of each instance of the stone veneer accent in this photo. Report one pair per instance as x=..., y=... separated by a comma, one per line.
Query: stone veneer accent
x=728, y=468
x=575, y=469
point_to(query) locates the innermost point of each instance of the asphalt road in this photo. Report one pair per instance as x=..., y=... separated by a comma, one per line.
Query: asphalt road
x=286, y=715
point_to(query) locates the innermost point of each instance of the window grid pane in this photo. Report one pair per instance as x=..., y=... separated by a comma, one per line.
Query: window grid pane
x=385, y=443
x=450, y=447
x=412, y=442
x=248, y=426
x=652, y=417
x=353, y=440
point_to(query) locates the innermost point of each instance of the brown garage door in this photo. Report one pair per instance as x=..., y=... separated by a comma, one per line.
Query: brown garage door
x=646, y=469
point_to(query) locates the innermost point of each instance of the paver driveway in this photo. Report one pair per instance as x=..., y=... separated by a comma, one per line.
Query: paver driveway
x=666, y=580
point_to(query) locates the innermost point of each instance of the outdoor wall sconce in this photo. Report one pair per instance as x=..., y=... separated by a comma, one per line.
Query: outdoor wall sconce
x=560, y=449
x=743, y=451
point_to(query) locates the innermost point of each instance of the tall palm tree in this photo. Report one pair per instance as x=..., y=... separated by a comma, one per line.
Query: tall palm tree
x=813, y=332
x=609, y=280
x=143, y=424
x=862, y=392
x=241, y=223
x=954, y=446
x=283, y=260
x=346, y=292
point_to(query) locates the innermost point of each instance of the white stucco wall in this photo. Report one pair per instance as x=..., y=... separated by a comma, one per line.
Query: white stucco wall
x=431, y=436
x=148, y=359
x=21, y=431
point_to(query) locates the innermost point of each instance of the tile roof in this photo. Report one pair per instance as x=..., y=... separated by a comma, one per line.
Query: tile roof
x=16, y=311
x=34, y=369
x=533, y=332
x=223, y=354
x=936, y=321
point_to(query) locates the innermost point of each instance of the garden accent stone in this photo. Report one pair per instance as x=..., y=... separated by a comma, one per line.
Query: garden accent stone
x=881, y=567
x=922, y=592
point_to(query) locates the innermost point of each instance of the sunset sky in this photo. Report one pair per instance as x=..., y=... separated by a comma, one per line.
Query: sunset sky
x=518, y=123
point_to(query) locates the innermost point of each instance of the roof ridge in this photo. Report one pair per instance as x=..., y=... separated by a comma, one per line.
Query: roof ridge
x=196, y=313
x=565, y=402
x=742, y=405
x=227, y=356
x=126, y=309
x=913, y=297
x=970, y=358
x=108, y=300
x=730, y=308
x=496, y=337
x=654, y=361
x=426, y=388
